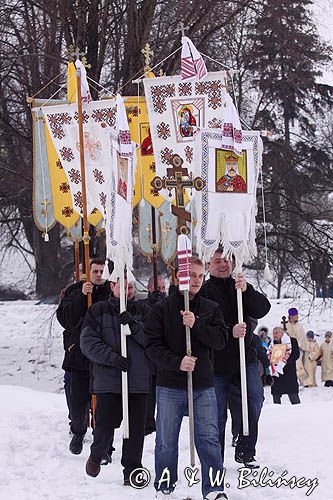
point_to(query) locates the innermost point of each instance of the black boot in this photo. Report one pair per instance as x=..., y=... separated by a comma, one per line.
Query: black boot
x=76, y=444
x=247, y=460
x=92, y=468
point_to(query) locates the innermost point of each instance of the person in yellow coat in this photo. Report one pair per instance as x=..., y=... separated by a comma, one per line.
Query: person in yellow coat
x=310, y=356
x=326, y=356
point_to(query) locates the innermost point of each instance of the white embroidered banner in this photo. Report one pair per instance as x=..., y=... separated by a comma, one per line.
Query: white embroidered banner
x=98, y=117
x=178, y=109
x=226, y=207
x=118, y=223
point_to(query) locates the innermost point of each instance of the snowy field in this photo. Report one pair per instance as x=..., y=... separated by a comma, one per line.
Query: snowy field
x=34, y=457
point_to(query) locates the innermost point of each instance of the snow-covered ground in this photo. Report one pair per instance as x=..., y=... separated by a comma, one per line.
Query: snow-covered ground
x=34, y=457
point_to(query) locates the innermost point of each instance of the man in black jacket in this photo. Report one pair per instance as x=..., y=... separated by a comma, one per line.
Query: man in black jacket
x=101, y=343
x=165, y=341
x=222, y=288
x=73, y=310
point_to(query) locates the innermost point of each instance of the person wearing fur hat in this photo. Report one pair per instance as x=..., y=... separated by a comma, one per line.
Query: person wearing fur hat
x=310, y=356
x=326, y=357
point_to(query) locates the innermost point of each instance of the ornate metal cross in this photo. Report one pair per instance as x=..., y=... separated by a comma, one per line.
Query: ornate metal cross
x=73, y=53
x=182, y=28
x=148, y=54
x=175, y=180
x=284, y=323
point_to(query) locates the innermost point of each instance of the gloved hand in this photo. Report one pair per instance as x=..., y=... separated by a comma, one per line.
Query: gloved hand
x=280, y=366
x=155, y=296
x=126, y=318
x=121, y=363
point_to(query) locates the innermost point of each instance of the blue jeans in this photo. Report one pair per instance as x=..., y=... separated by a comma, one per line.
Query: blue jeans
x=255, y=399
x=171, y=408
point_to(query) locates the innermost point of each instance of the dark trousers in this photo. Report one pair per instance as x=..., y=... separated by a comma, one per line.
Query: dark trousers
x=109, y=417
x=255, y=399
x=235, y=407
x=80, y=401
x=151, y=406
x=293, y=398
x=67, y=387
x=328, y=383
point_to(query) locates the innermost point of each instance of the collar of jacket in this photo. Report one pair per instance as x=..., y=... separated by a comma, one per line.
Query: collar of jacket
x=221, y=282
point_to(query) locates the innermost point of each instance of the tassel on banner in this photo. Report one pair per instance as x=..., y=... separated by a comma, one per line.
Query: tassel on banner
x=106, y=274
x=46, y=237
x=267, y=273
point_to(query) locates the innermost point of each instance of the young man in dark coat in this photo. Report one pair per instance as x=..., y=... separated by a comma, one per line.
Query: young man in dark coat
x=101, y=343
x=74, y=307
x=286, y=383
x=165, y=341
x=222, y=288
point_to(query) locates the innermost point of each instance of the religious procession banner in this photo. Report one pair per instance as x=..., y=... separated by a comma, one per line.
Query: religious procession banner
x=42, y=199
x=226, y=206
x=137, y=116
x=178, y=109
x=118, y=223
x=98, y=118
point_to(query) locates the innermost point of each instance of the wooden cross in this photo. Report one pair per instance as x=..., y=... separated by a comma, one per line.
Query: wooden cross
x=284, y=323
x=148, y=53
x=174, y=180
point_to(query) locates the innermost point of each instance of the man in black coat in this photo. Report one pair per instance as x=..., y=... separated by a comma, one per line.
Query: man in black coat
x=101, y=343
x=286, y=382
x=166, y=346
x=73, y=310
x=222, y=288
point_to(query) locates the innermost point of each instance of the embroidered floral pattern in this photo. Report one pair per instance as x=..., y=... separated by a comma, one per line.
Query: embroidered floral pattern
x=67, y=211
x=152, y=167
x=102, y=197
x=185, y=89
x=215, y=123
x=58, y=165
x=85, y=116
x=159, y=94
x=74, y=176
x=98, y=176
x=166, y=155
x=163, y=131
x=188, y=153
x=64, y=187
x=57, y=121
x=66, y=154
x=107, y=115
x=213, y=90
x=78, y=199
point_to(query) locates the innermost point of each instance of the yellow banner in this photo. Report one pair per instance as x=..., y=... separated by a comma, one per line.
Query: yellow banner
x=62, y=198
x=138, y=122
x=71, y=83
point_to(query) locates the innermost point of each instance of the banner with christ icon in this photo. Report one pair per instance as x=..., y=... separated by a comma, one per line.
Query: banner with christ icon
x=229, y=192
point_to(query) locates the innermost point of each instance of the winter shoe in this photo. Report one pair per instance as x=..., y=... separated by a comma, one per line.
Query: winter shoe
x=107, y=459
x=248, y=460
x=234, y=441
x=165, y=495
x=216, y=495
x=76, y=444
x=92, y=468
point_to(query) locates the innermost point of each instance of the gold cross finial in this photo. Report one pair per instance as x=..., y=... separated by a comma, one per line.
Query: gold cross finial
x=148, y=53
x=74, y=53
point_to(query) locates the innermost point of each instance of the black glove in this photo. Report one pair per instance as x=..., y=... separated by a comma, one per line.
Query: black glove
x=269, y=380
x=122, y=363
x=126, y=318
x=155, y=296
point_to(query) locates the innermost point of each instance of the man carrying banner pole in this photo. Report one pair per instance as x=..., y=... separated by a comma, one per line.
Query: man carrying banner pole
x=166, y=346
